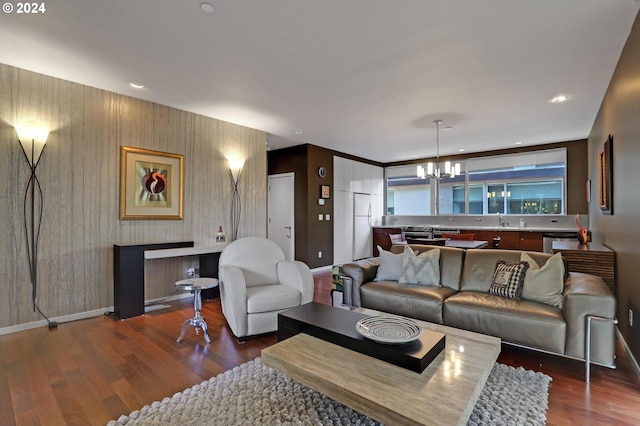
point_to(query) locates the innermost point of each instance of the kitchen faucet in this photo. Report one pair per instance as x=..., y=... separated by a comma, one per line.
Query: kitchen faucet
x=500, y=221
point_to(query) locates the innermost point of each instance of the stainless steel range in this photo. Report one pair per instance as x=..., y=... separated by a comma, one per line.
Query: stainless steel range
x=417, y=232
x=437, y=233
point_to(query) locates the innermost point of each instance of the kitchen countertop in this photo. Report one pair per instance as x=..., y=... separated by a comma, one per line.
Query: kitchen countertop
x=491, y=228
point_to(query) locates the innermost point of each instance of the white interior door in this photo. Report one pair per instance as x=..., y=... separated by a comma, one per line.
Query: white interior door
x=280, y=202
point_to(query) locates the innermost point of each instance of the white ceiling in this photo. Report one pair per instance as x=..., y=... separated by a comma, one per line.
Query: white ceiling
x=364, y=77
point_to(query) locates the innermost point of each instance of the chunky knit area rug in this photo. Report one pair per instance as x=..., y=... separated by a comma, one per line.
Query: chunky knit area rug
x=253, y=394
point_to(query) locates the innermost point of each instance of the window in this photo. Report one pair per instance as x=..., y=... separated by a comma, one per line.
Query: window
x=528, y=183
x=408, y=195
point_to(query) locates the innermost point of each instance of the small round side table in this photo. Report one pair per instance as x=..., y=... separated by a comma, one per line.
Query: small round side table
x=196, y=285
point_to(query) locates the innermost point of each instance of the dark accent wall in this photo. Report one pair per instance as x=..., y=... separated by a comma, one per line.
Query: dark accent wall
x=312, y=235
x=619, y=116
x=577, y=176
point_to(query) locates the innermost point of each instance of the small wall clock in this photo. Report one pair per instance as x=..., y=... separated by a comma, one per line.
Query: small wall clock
x=322, y=172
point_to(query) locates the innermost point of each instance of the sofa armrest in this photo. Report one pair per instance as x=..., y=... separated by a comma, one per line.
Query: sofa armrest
x=586, y=295
x=360, y=272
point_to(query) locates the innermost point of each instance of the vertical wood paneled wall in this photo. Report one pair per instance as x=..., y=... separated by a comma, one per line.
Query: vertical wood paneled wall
x=79, y=174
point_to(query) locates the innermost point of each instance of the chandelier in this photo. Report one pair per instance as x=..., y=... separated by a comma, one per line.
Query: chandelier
x=434, y=171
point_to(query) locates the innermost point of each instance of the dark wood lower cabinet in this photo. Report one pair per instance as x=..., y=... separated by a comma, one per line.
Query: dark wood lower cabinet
x=513, y=240
x=531, y=241
x=508, y=240
x=381, y=238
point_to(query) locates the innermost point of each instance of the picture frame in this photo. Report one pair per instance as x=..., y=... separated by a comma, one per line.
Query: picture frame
x=151, y=184
x=605, y=176
x=325, y=191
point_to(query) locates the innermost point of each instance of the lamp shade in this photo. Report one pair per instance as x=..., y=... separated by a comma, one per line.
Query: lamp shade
x=235, y=165
x=32, y=138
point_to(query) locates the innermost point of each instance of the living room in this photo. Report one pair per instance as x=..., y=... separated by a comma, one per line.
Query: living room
x=79, y=175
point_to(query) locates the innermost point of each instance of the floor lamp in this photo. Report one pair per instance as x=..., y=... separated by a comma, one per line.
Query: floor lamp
x=235, y=167
x=32, y=139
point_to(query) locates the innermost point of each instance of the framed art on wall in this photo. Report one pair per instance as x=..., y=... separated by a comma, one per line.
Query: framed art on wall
x=325, y=191
x=151, y=184
x=605, y=176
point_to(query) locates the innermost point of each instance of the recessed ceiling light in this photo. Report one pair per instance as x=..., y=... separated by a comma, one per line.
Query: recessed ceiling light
x=558, y=99
x=298, y=132
x=448, y=128
x=461, y=150
x=519, y=143
x=136, y=85
x=206, y=7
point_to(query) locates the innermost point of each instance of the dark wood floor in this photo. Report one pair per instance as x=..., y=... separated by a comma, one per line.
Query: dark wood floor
x=91, y=371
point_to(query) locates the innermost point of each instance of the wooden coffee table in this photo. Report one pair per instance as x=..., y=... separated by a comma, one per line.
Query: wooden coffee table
x=443, y=394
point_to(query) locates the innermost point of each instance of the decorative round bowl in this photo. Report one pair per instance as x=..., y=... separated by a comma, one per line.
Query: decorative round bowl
x=389, y=330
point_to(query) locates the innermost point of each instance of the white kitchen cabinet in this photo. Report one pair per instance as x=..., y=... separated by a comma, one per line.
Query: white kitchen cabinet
x=342, y=174
x=351, y=177
x=342, y=227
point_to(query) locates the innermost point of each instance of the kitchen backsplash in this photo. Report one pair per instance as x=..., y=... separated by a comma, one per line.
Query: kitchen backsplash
x=560, y=222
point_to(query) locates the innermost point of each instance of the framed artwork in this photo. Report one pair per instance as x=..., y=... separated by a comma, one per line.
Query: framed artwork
x=605, y=176
x=151, y=184
x=325, y=191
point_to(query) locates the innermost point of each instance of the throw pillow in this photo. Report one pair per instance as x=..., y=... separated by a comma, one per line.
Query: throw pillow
x=423, y=269
x=508, y=279
x=546, y=284
x=390, y=265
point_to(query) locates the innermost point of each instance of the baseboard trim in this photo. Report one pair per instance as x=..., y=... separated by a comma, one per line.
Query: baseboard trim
x=632, y=359
x=81, y=315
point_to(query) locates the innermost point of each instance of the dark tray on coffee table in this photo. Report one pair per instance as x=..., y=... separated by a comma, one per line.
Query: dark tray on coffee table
x=338, y=326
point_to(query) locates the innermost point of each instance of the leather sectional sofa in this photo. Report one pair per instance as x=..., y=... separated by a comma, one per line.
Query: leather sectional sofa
x=463, y=301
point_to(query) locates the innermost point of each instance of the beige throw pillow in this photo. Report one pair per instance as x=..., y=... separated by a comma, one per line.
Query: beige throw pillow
x=546, y=284
x=423, y=269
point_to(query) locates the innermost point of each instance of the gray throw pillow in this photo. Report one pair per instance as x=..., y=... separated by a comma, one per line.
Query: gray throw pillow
x=390, y=265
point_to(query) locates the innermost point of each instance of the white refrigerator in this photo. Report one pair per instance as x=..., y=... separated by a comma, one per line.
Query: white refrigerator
x=362, y=233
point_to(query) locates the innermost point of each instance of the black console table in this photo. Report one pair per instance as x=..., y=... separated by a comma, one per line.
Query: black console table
x=128, y=271
x=128, y=276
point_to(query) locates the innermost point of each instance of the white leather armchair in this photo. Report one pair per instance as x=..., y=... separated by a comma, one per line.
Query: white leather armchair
x=256, y=283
